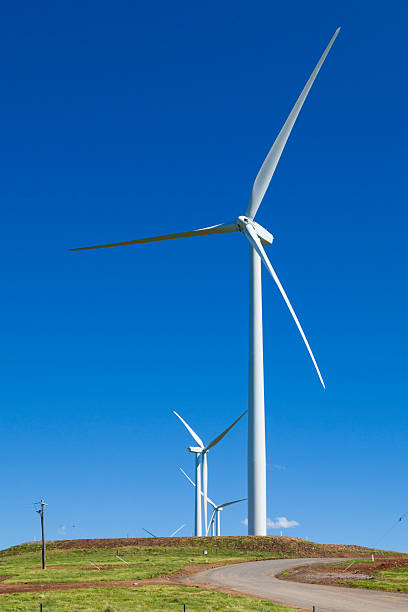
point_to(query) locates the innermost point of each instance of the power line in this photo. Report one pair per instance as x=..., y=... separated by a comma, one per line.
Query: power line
x=399, y=520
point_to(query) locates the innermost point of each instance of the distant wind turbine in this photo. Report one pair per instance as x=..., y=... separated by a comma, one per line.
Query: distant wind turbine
x=258, y=237
x=202, y=450
x=215, y=520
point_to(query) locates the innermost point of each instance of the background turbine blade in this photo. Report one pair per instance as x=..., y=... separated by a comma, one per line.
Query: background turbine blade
x=177, y=530
x=188, y=477
x=209, y=524
x=256, y=243
x=210, y=501
x=233, y=502
x=193, y=483
x=218, y=438
x=192, y=432
x=267, y=170
x=149, y=532
x=222, y=228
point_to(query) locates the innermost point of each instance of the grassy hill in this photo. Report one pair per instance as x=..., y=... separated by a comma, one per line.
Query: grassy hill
x=82, y=572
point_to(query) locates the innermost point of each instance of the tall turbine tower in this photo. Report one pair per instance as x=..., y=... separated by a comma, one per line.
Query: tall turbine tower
x=258, y=237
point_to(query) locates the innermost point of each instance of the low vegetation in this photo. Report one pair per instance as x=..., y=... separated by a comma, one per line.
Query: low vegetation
x=144, y=558
x=151, y=598
x=125, y=574
x=391, y=575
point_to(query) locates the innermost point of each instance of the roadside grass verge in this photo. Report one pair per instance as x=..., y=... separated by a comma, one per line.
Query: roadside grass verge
x=384, y=574
x=138, y=599
x=395, y=580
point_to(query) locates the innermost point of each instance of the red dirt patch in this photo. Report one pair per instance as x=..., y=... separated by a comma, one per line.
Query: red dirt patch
x=37, y=587
x=101, y=567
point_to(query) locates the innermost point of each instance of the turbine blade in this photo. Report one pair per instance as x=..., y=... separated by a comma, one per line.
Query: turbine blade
x=193, y=483
x=188, y=477
x=256, y=243
x=222, y=228
x=209, y=524
x=233, y=502
x=267, y=170
x=177, y=530
x=218, y=438
x=209, y=501
x=149, y=532
x=192, y=432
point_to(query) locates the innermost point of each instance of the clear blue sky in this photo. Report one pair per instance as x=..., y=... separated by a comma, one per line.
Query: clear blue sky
x=121, y=120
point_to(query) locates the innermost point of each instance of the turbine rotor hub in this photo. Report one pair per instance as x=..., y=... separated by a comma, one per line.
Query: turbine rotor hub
x=263, y=234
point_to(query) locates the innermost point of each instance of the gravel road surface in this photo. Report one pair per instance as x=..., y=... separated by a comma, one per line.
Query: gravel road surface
x=258, y=578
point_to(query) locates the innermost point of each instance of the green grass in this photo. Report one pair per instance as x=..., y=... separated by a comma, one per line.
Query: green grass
x=143, y=562
x=23, y=563
x=387, y=580
x=146, y=559
x=150, y=559
x=148, y=598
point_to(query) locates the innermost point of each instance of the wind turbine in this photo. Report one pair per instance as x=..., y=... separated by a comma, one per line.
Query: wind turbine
x=215, y=519
x=258, y=237
x=202, y=450
x=170, y=536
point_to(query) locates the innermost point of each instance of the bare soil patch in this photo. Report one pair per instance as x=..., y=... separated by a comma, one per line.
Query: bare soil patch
x=337, y=574
x=38, y=587
x=100, y=567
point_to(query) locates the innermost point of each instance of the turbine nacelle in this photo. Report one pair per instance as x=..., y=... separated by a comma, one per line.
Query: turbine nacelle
x=263, y=234
x=195, y=449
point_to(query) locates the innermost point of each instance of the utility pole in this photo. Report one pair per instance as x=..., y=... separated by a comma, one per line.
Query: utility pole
x=42, y=532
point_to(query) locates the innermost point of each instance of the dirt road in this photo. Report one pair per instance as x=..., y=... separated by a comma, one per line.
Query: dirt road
x=258, y=578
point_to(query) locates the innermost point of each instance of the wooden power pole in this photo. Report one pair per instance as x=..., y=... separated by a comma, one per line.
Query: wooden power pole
x=43, y=532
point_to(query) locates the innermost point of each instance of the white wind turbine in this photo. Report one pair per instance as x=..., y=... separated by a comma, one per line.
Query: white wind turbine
x=215, y=520
x=258, y=237
x=202, y=450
